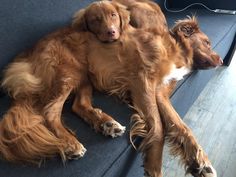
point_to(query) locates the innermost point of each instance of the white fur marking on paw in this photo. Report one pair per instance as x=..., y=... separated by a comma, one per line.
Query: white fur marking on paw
x=83, y=151
x=113, y=129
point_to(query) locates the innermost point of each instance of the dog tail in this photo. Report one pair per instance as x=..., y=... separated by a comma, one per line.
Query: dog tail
x=19, y=80
x=25, y=138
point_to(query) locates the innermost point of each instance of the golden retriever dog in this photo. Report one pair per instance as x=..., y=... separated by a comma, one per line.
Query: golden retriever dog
x=39, y=81
x=102, y=50
x=143, y=65
x=196, y=49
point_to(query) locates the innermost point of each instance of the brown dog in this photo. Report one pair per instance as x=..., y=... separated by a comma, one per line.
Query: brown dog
x=140, y=64
x=144, y=65
x=40, y=80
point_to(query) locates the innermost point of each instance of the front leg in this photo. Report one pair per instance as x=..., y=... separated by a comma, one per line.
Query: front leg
x=181, y=139
x=143, y=98
x=99, y=120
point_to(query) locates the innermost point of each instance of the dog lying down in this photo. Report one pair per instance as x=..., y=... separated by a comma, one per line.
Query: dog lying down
x=102, y=50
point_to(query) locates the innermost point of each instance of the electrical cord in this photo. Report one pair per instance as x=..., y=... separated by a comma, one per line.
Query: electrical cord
x=222, y=11
x=193, y=4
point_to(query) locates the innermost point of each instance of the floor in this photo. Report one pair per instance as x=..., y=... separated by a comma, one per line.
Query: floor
x=212, y=119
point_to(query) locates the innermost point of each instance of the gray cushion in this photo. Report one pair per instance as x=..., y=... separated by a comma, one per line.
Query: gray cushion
x=24, y=22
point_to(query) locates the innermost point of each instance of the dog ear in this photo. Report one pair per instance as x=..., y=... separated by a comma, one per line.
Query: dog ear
x=123, y=14
x=79, y=21
x=186, y=27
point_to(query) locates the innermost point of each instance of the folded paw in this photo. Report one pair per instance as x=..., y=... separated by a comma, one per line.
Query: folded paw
x=112, y=128
x=204, y=171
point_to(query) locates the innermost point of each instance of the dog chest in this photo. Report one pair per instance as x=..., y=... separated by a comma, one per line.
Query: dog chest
x=105, y=70
x=176, y=74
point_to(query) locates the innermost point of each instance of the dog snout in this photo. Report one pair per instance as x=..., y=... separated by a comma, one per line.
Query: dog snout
x=111, y=32
x=220, y=61
x=217, y=59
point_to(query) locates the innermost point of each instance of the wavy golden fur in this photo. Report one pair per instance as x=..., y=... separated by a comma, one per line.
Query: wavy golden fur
x=39, y=81
x=139, y=63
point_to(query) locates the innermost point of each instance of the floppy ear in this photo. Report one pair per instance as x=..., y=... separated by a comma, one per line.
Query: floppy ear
x=123, y=14
x=79, y=21
x=186, y=27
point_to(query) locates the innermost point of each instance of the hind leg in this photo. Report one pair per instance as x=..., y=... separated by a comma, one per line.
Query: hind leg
x=52, y=112
x=153, y=142
x=99, y=120
x=182, y=141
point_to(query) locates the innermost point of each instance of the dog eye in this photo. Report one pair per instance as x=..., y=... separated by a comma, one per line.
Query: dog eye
x=96, y=20
x=207, y=42
x=113, y=15
x=99, y=19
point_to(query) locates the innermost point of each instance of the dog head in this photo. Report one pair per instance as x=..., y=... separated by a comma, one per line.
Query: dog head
x=105, y=19
x=203, y=56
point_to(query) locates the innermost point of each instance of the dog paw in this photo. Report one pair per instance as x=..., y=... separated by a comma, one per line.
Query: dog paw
x=205, y=171
x=74, y=152
x=112, y=128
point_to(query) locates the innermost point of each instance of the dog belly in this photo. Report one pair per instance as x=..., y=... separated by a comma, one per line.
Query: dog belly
x=112, y=83
x=106, y=81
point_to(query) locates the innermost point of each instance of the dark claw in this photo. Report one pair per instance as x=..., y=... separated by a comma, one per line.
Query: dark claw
x=74, y=157
x=197, y=171
x=117, y=130
x=109, y=124
x=207, y=169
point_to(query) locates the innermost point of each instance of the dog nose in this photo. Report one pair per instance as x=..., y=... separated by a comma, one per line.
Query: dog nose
x=217, y=59
x=111, y=32
x=221, y=61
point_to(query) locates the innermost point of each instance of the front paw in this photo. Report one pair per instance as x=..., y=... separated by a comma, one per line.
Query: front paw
x=112, y=128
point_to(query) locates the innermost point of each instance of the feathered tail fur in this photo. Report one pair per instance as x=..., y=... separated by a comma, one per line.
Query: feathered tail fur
x=24, y=135
x=19, y=80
